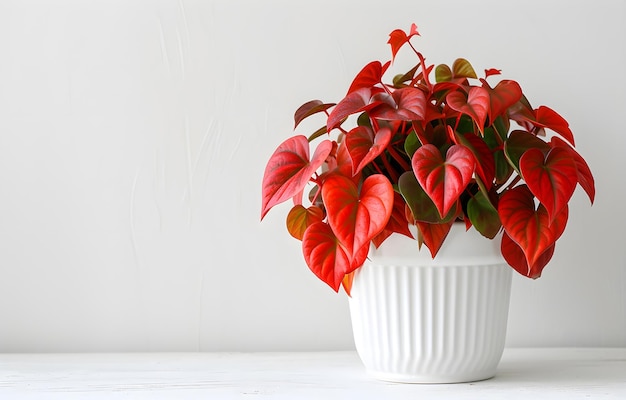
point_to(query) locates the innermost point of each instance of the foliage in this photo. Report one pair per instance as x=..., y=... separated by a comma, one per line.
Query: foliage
x=427, y=153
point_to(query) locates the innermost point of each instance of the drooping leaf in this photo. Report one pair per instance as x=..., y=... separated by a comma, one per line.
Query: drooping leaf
x=289, y=169
x=356, y=217
x=529, y=227
x=300, y=218
x=504, y=95
x=552, y=178
x=483, y=215
x=369, y=76
x=411, y=143
x=308, y=109
x=443, y=179
x=475, y=104
x=433, y=235
x=408, y=104
x=519, y=142
x=548, y=118
x=514, y=256
x=325, y=256
x=364, y=146
x=585, y=177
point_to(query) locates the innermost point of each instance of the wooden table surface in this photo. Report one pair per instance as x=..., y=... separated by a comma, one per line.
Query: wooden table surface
x=550, y=373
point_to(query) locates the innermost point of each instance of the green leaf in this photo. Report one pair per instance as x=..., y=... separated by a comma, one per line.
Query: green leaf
x=443, y=73
x=461, y=68
x=519, y=142
x=300, y=218
x=420, y=204
x=411, y=144
x=483, y=215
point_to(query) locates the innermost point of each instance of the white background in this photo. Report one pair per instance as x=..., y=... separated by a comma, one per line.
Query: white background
x=134, y=134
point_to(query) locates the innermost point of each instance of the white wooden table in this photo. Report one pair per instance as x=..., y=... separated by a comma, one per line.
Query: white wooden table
x=523, y=374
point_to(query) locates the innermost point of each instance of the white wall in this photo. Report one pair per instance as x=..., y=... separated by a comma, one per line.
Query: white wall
x=133, y=137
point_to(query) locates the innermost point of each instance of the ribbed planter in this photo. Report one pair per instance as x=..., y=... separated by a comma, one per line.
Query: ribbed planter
x=419, y=320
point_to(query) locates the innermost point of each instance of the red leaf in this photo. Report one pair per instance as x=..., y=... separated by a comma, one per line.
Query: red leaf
x=347, y=282
x=398, y=38
x=530, y=228
x=443, y=180
x=397, y=222
x=308, y=109
x=492, y=71
x=289, y=169
x=357, y=101
x=328, y=260
x=504, y=95
x=433, y=235
x=485, y=162
x=552, y=178
x=363, y=146
x=408, y=104
x=548, y=118
x=356, y=218
x=585, y=177
x=514, y=256
x=476, y=104
x=300, y=218
x=370, y=75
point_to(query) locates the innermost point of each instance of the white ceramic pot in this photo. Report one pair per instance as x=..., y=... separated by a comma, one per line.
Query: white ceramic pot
x=419, y=320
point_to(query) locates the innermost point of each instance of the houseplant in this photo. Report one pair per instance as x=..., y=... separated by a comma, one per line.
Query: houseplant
x=426, y=152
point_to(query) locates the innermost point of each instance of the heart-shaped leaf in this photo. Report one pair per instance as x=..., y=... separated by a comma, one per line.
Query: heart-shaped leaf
x=408, y=104
x=289, y=170
x=552, y=178
x=357, y=101
x=356, y=217
x=514, y=256
x=443, y=179
x=363, y=146
x=461, y=68
x=585, y=177
x=369, y=76
x=528, y=227
x=300, y=218
x=443, y=73
x=433, y=235
x=325, y=256
x=504, y=95
x=475, y=104
x=422, y=208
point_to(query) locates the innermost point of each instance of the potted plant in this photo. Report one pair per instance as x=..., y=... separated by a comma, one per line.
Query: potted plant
x=419, y=156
